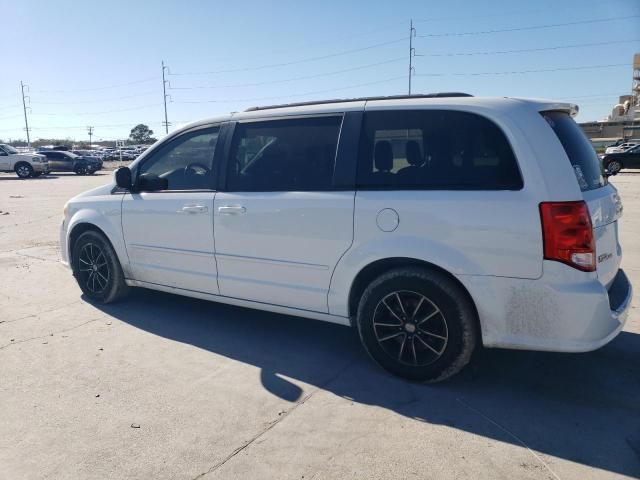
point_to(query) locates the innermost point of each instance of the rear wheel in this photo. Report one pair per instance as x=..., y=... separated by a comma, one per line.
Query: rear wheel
x=418, y=324
x=24, y=170
x=97, y=269
x=81, y=170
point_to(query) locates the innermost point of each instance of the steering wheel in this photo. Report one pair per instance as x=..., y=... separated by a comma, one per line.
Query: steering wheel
x=196, y=169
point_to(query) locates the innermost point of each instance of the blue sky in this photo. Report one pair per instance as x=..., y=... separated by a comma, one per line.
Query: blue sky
x=99, y=63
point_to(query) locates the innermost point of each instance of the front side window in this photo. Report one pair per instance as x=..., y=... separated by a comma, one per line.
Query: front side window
x=284, y=155
x=186, y=162
x=434, y=149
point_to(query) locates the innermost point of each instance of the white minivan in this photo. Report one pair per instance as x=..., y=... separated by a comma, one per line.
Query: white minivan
x=432, y=223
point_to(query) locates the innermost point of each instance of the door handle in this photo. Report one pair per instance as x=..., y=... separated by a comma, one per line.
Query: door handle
x=231, y=209
x=193, y=209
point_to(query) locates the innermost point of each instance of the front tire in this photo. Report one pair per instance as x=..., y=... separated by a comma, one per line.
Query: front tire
x=418, y=324
x=24, y=170
x=97, y=269
x=614, y=166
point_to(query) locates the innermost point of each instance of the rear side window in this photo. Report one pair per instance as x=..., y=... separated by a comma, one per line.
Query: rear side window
x=582, y=156
x=435, y=149
x=284, y=155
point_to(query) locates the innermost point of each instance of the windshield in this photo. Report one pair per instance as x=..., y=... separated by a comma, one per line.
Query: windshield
x=9, y=149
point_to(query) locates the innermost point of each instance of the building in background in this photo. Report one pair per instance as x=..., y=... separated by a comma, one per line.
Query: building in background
x=624, y=120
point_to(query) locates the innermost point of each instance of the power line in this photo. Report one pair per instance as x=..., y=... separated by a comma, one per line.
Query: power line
x=512, y=13
x=295, y=62
x=84, y=102
x=590, y=96
x=533, y=27
x=259, y=99
x=141, y=107
x=107, y=87
x=292, y=79
x=518, y=72
x=524, y=50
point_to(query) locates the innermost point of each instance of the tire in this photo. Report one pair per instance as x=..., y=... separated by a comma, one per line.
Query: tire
x=97, y=269
x=614, y=166
x=435, y=336
x=23, y=170
x=80, y=171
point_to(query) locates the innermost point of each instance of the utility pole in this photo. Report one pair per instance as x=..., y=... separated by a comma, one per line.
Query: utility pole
x=90, y=130
x=24, y=108
x=412, y=51
x=164, y=98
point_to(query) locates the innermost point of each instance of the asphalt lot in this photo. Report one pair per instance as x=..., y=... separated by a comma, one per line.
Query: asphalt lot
x=163, y=386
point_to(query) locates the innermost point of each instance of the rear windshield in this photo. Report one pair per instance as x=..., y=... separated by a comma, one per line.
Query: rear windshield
x=584, y=159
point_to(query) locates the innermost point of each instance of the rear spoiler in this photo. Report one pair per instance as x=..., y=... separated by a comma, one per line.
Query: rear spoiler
x=543, y=105
x=571, y=108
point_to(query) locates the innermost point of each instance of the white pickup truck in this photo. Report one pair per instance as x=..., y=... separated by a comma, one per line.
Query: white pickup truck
x=24, y=164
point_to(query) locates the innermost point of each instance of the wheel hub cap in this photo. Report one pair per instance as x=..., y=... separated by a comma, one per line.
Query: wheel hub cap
x=410, y=328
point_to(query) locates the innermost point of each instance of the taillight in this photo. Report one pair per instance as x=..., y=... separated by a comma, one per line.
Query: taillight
x=568, y=234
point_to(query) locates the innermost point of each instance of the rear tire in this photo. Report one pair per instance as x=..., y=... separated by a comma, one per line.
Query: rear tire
x=418, y=324
x=97, y=269
x=23, y=170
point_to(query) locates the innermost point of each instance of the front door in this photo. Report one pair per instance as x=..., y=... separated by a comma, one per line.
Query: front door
x=5, y=161
x=280, y=226
x=169, y=233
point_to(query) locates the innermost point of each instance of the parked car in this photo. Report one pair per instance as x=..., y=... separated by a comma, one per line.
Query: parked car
x=91, y=156
x=62, y=161
x=620, y=148
x=433, y=224
x=24, y=164
x=614, y=162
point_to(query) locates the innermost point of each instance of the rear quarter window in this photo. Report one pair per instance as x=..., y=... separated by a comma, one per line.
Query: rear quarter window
x=584, y=159
x=434, y=150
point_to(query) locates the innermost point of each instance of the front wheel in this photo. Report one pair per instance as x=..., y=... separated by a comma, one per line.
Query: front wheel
x=614, y=166
x=24, y=170
x=418, y=324
x=97, y=269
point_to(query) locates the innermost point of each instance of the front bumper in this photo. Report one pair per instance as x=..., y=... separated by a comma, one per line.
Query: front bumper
x=64, y=250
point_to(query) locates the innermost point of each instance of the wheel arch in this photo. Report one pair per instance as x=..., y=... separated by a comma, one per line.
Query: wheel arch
x=77, y=230
x=376, y=268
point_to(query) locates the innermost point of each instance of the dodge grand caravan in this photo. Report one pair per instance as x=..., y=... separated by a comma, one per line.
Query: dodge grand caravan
x=432, y=223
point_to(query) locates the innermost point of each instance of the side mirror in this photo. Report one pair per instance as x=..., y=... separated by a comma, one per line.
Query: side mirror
x=151, y=183
x=123, y=178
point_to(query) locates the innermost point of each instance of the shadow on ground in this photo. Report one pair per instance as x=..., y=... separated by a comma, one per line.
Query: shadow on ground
x=579, y=407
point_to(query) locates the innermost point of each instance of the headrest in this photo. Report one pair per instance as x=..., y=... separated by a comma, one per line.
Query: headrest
x=414, y=157
x=383, y=156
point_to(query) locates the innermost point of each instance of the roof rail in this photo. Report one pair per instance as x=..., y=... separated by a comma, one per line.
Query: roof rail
x=360, y=99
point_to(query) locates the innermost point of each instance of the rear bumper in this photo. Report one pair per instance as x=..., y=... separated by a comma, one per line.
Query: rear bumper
x=563, y=311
